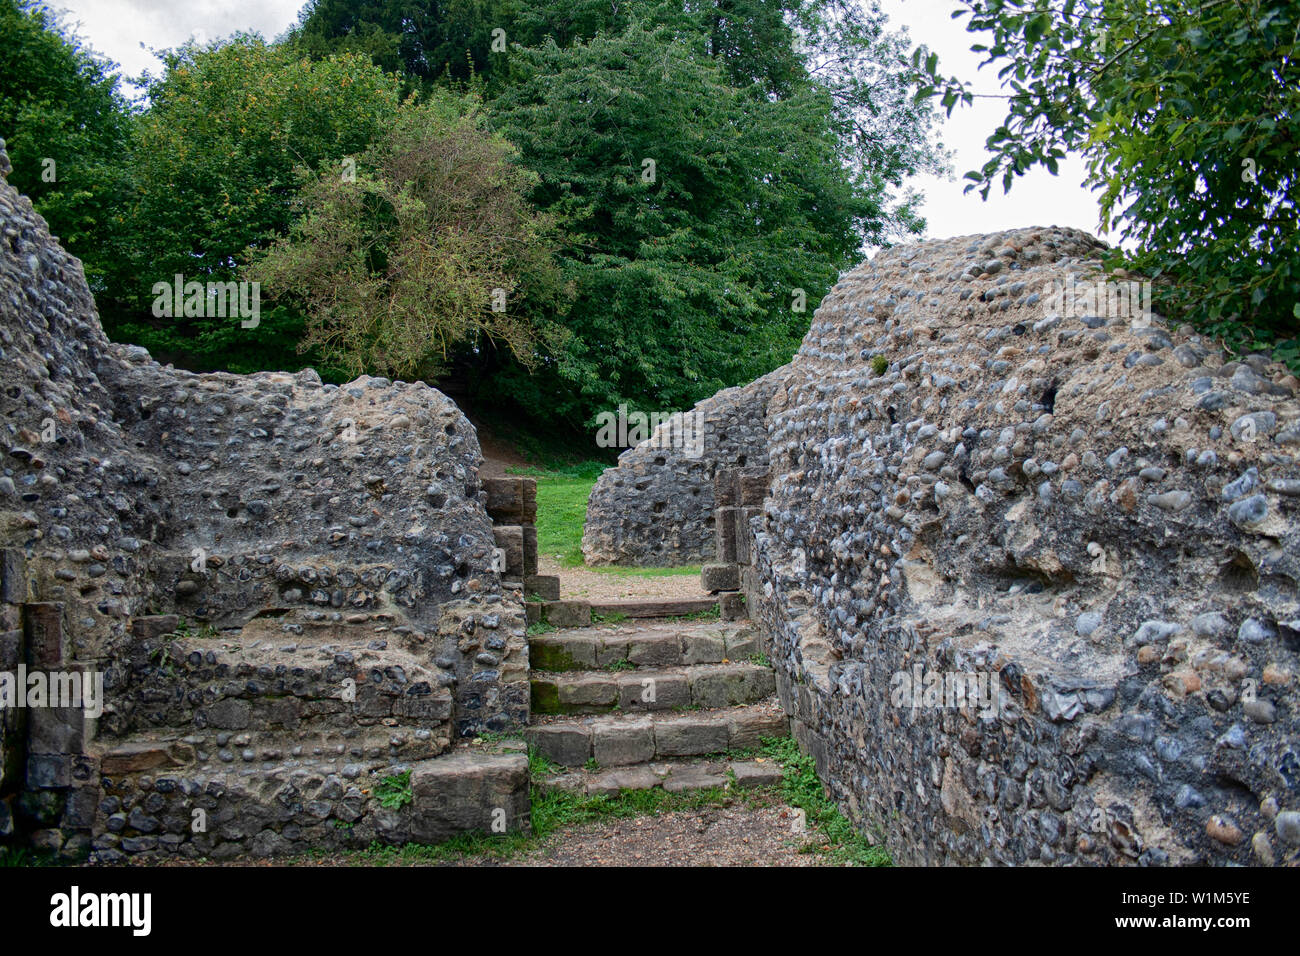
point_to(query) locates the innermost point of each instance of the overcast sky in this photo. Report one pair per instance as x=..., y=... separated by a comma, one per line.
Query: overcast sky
x=126, y=30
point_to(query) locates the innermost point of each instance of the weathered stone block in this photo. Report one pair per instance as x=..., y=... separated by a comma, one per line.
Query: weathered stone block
x=154, y=626
x=746, y=729
x=469, y=792
x=544, y=586
x=618, y=743
x=720, y=577
x=749, y=774
x=725, y=534
x=690, y=736
x=567, y=613
x=732, y=606
x=43, y=634
x=661, y=691
x=722, y=685
x=13, y=576
x=568, y=653
x=658, y=651
x=565, y=744
x=703, y=647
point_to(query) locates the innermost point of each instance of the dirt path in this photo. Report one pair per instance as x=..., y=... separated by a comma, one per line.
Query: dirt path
x=588, y=585
x=716, y=836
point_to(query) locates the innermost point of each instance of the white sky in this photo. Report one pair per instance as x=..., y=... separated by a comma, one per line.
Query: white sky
x=125, y=31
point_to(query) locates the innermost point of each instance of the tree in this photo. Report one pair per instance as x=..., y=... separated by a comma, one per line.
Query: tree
x=430, y=247
x=699, y=214
x=1189, y=116
x=232, y=133
x=65, y=126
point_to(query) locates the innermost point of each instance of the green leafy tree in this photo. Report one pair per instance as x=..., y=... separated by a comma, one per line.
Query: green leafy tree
x=430, y=248
x=66, y=126
x=1189, y=117
x=232, y=133
x=699, y=214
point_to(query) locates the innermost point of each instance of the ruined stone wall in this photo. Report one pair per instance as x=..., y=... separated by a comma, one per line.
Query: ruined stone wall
x=290, y=537
x=1101, y=515
x=655, y=508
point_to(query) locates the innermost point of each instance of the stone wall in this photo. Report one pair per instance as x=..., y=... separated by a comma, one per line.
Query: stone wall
x=655, y=508
x=233, y=554
x=1096, y=515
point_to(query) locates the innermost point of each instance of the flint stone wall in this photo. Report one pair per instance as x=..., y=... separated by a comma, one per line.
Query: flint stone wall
x=1071, y=503
x=266, y=511
x=655, y=507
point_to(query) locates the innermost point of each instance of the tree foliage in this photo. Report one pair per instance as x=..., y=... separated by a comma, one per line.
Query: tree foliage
x=65, y=125
x=695, y=211
x=231, y=134
x=1189, y=116
x=429, y=247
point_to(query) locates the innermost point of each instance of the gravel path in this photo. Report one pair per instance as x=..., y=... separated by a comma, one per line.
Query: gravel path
x=587, y=585
x=716, y=836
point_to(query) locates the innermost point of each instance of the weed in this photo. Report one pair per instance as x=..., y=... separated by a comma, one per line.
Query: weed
x=394, y=791
x=802, y=789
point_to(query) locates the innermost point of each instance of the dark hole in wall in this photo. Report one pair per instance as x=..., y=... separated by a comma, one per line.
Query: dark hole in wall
x=1048, y=401
x=1239, y=575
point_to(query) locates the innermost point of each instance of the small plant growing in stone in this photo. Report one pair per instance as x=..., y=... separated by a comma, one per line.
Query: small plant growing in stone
x=394, y=791
x=879, y=364
x=591, y=764
x=760, y=659
x=622, y=665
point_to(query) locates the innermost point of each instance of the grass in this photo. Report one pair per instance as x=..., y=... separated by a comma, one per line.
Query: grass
x=554, y=810
x=562, y=495
x=802, y=788
x=562, y=508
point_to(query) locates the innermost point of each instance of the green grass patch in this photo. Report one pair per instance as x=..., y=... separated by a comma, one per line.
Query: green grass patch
x=552, y=810
x=802, y=788
x=562, y=509
x=562, y=495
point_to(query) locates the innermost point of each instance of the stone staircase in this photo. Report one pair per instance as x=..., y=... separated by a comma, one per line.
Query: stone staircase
x=277, y=737
x=653, y=703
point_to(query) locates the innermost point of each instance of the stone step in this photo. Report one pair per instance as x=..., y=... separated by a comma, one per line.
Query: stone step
x=642, y=609
x=659, y=645
x=224, y=749
x=674, y=776
x=626, y=739
x=705, y=686
x=581, y=613
x=304, y=804
x=237, y=680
